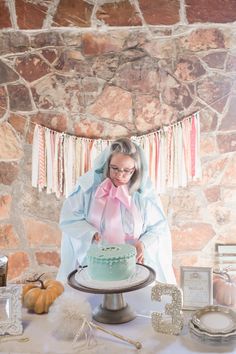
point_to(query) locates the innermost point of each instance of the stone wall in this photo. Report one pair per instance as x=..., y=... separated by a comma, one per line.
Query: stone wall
x=105, y=82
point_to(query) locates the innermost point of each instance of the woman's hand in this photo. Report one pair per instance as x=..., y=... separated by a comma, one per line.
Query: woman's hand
x=140, y=251
x=96, y=238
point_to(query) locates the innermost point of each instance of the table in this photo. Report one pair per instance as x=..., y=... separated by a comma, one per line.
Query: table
x=40, y=331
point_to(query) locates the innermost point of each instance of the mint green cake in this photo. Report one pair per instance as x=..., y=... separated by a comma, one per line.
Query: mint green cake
x=111, y=262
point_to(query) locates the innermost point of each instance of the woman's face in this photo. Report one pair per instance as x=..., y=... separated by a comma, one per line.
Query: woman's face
x=121, y=169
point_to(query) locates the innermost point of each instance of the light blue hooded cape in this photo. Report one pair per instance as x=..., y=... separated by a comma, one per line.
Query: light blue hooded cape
x=77, y=232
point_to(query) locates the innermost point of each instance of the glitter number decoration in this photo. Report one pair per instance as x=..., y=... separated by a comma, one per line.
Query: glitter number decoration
x=173, y=309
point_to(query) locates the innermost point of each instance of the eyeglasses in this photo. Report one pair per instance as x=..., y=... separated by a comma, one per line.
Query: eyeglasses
x=125, y=171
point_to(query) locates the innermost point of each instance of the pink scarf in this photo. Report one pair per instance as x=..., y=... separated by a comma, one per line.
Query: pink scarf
x=105, y=208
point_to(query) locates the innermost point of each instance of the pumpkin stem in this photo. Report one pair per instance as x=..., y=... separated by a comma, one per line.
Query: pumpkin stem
x=223, y=273
x=39, y=280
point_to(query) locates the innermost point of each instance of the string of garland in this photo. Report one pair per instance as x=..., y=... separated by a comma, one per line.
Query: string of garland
x=173, y=152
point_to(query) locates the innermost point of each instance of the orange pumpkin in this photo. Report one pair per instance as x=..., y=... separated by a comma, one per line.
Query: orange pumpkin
x=39, y=295
x=224, y=289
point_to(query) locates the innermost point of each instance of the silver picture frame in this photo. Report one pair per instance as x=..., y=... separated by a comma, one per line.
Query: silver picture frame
x=225, y=257
x=10, y=310
x=197, y=286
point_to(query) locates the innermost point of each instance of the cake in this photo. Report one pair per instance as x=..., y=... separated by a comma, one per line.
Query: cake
x=111, y=262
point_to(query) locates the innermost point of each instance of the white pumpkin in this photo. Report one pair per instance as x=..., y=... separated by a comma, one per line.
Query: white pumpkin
x=224, y=289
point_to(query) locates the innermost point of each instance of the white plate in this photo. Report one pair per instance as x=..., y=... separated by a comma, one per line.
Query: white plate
x=215, y=319
x=210, y=337
x=82, y=277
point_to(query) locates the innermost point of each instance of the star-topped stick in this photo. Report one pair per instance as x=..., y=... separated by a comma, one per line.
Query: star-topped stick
x=138, y=345
x=72, y=316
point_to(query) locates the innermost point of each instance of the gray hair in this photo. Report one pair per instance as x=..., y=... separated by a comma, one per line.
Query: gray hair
x=127, y=147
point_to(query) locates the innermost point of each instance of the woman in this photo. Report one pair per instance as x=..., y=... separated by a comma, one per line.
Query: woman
x=115, y=203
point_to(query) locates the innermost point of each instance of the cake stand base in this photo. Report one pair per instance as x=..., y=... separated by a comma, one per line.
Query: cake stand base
x=113, y=310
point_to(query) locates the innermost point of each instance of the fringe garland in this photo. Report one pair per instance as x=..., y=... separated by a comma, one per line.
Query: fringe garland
x=58, y=159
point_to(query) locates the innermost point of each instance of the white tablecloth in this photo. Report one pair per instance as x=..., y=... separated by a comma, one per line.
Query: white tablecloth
x=40, y=332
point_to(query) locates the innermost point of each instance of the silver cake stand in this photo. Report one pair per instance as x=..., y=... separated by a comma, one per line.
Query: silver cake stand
x=113, y=309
